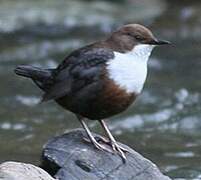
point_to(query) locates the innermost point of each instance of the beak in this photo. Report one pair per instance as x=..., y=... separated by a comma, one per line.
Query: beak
x=159, y=42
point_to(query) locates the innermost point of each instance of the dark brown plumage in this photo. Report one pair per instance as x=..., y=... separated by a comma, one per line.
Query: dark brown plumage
x=99, y=101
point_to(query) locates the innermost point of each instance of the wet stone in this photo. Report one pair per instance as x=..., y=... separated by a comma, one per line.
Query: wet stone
x=69, y=157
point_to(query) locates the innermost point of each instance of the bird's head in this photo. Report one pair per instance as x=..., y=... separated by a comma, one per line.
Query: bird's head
x=130, y=36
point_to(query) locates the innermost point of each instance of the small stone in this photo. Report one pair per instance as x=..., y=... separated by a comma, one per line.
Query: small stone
x=21, y=171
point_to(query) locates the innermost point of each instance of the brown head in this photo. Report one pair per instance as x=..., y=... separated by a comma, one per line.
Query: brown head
x=128, y=36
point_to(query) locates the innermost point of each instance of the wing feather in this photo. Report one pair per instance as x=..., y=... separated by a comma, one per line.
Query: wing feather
x=79, y=69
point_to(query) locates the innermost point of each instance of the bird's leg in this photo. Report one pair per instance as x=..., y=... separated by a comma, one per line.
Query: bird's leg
x=89, y=134
x=115, y=146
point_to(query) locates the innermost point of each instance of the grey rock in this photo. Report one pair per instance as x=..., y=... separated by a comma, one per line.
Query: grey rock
x=21, y=171
x=69, y=157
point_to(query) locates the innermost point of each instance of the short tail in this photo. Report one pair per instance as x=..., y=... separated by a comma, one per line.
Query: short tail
x=34, y=73
x=38, y=75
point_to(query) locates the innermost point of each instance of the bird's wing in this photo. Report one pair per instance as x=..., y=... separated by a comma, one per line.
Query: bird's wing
x=79, y=69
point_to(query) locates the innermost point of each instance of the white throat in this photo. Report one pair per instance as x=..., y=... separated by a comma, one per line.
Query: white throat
x=129, y=70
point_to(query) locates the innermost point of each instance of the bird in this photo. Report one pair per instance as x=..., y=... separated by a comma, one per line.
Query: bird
x=99, y=80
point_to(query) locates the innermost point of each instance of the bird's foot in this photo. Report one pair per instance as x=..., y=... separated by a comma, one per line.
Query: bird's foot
x=120, y=150
x=99, y=139
x=112, y=144
x=98, y=145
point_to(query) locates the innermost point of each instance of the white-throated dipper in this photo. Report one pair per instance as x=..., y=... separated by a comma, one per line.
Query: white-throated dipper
x=99, y=80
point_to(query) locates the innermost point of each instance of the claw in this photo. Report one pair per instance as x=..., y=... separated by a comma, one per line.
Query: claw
x=98, y=145
x=122, y=155
x=117, y=148
x=99, y=139
x=102, y=139
x=114, y=146
x=108, y=142
x=86, y=139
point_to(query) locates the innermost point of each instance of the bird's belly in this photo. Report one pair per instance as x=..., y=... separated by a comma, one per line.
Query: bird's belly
x=99, y=103
x=112, y=102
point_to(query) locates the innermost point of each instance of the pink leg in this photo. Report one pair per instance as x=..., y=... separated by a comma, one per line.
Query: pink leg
x=115, y=146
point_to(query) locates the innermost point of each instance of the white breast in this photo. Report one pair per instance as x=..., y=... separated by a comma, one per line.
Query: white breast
x=129, y=70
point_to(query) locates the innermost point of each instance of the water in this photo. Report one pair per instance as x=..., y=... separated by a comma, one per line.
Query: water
x=164, y=124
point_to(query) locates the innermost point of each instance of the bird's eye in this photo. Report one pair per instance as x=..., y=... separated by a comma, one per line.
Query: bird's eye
x=129, y=34
x=138, y=37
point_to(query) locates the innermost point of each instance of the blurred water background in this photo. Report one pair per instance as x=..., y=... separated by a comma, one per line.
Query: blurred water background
x=164, y=124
